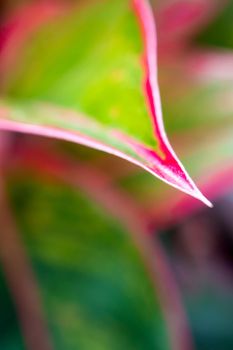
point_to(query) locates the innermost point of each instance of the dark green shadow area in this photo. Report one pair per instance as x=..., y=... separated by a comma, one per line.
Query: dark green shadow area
x=10, y=337
x=219, y=33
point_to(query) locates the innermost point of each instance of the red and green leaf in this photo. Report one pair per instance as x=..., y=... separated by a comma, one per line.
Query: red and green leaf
x=80, y=78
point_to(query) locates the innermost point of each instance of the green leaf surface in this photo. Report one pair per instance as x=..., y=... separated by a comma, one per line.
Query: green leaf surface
x=80, y=77
x=89, y=61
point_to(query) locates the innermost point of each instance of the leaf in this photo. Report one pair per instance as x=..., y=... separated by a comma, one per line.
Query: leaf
x=80, y=79
x=95, y=289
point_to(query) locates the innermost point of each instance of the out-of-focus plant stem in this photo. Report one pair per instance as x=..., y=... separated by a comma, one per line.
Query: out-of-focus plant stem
x=17, y=271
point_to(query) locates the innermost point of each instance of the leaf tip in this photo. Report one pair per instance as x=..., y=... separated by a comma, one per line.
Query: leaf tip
x=203, y=199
